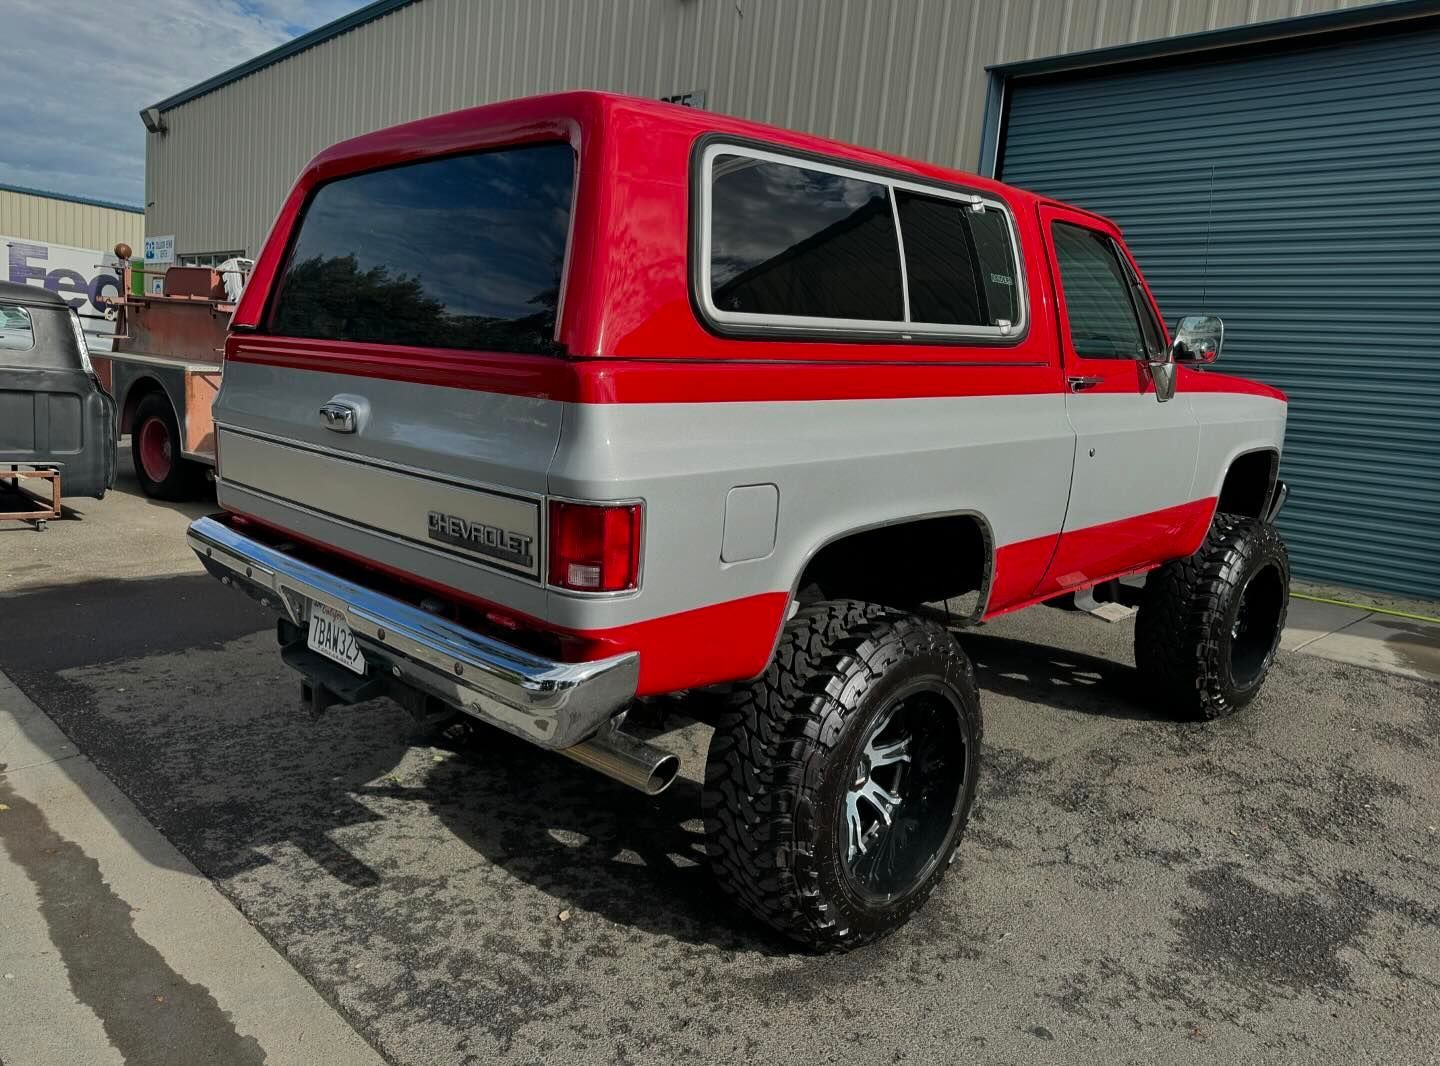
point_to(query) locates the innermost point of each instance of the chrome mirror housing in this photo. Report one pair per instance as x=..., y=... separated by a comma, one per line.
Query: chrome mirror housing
x=1162, y=373
x=1198, y=339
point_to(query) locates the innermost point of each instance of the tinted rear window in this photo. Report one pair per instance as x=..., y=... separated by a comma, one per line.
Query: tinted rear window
x=788, y=240
x=461, y=252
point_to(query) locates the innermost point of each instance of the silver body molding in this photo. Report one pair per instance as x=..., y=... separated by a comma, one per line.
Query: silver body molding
x=554, y=705
x=1027, y=465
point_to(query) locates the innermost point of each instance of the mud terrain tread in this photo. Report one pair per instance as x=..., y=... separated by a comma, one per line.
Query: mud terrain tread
x=769, y=755
x=1179, y=629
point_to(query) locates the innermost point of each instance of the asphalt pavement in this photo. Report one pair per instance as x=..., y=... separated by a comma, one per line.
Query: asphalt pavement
x=1260, y=890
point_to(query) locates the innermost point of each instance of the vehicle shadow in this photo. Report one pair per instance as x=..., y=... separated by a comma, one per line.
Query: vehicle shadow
x=591, y=843
x=1059, y=678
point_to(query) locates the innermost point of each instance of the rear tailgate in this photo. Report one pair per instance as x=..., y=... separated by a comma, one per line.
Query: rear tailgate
x=360, y=416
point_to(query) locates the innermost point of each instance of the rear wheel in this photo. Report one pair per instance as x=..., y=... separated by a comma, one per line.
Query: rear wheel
x=838, y=786
x=164, y=473
x=1209, y=625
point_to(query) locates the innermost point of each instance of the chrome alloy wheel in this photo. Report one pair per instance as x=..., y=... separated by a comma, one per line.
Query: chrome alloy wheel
x=905, y=791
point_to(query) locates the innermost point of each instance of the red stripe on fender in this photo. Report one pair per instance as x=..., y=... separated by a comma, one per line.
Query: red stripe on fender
x=739, y=381
x=1085, y=557
x=721, y=642
x=607, y=380
x=1018, y=569
x=1193, y=380
x=541, y=376
x=734, y=640
x=610, y=381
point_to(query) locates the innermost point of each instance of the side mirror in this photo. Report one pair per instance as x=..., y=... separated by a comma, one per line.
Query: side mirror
x=1198, y=339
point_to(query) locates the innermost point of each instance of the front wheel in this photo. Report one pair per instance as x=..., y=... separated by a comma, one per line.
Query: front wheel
x=838, y=786
x=1210, y=624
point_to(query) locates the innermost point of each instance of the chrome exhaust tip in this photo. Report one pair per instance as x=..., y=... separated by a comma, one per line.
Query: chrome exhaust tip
x=627, y=759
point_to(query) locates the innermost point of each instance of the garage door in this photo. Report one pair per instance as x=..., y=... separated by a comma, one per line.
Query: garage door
x=1296, y=193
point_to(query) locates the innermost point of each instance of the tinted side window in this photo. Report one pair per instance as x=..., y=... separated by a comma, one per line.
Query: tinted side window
x=996, y=252
x=462, y=252
x=1097, y=295
x=787, y=240
x=940, y=264
x=16, y=332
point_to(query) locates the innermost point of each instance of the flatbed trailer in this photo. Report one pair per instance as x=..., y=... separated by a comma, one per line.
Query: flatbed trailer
x=164, y=374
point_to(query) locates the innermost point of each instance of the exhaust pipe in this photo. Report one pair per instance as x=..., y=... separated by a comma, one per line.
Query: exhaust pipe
x=627, y=759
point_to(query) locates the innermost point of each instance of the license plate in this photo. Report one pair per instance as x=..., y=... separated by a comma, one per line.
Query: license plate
x=331, y=637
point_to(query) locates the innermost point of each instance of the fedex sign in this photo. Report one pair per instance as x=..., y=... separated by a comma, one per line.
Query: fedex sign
x=77, y=275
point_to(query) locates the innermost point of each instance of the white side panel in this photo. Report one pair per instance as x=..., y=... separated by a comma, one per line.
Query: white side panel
x=1232, y=424
x=838, y=465
x=1133, y=455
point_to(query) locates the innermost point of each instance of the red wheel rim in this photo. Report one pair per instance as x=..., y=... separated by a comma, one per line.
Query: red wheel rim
x=156, y=449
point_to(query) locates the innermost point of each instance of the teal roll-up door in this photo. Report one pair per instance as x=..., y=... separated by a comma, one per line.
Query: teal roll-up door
x=1296, y=193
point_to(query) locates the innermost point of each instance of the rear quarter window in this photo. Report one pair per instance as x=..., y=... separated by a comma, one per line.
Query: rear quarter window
x=801, y=245
x=461, y=252
x=17, y=334
x=788, y=240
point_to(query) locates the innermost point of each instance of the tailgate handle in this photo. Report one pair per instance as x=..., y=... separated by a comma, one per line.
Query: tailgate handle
x=338, y=416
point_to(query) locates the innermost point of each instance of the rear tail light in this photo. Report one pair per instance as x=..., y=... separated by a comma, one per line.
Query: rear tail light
x=594, y=547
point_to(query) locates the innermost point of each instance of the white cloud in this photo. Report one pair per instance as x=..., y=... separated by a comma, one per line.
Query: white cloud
x=75, y=77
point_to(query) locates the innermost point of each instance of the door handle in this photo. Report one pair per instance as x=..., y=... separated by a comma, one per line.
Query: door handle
x=338, y=416
x=1081, y=382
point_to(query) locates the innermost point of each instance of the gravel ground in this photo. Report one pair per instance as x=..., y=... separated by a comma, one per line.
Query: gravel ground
x=1266, y=889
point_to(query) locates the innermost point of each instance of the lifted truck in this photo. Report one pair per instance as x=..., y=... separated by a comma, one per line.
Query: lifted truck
x=703, y=405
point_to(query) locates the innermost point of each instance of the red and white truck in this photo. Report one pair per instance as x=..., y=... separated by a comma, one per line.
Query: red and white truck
x=538, y=408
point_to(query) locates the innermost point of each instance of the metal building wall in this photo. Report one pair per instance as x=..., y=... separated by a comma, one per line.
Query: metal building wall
x=903, y=75
x=35, y=217
x=1305, y=210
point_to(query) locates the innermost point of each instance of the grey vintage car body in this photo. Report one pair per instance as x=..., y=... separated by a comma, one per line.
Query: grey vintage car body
x=53, y=411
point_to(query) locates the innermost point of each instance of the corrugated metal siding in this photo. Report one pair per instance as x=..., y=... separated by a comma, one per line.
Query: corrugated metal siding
x=42, y=218
x=1297, y=195
x=906, y=76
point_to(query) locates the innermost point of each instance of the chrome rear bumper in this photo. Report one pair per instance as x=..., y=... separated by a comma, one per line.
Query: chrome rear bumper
x=551, y=704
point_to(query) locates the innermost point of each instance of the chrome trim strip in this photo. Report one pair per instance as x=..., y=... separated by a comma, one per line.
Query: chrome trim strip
x=384, y=464
x=1012, y=334
x=551, y=704
x=491, y=565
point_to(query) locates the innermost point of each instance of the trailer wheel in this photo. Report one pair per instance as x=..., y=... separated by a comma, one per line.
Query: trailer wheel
x=838, y=785
x=164, y=473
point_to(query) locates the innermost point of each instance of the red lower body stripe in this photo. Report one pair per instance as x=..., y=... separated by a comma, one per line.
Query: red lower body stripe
x=733, y=640
x=1030, y=571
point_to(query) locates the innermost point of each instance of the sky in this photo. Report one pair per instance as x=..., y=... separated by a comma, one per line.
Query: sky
x=76, y=75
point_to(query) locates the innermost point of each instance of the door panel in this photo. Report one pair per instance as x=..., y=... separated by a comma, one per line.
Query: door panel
x=1135, y=456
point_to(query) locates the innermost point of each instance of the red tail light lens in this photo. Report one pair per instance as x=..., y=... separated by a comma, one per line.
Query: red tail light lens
x=594, y=547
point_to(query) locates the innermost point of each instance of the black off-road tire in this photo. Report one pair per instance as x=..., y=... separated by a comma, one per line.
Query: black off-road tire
x=184, y=479
x=783, y=756
x=1186, y=645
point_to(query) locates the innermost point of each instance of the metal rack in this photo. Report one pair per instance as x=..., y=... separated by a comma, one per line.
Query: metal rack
x=39, y=512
